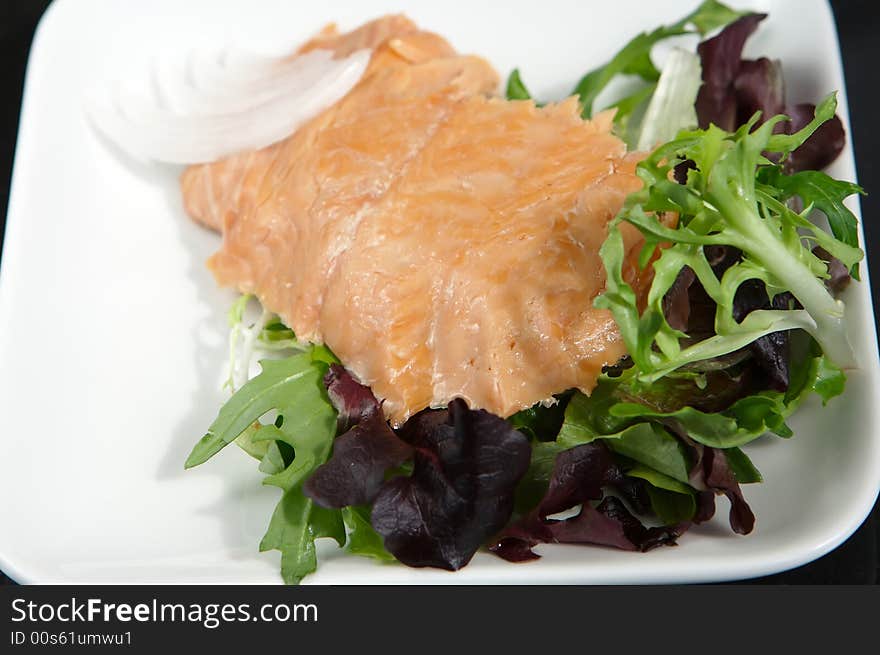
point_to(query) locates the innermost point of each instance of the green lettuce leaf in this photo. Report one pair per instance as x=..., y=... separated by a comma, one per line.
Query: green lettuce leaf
x=743, y=469
x=540, y=422
x=614, y=412
x=362, y=538
x=644, y=442
x=671, y=507
x=672, y=501
x=820, y=191
x=725, y=203
x=635, y=57
x=589, y=417
x=659, y=480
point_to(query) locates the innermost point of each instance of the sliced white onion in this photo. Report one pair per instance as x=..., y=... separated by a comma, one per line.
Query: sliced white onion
x=216, y=104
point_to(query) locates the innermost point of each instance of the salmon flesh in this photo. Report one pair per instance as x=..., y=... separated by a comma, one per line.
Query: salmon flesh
x=441, y=241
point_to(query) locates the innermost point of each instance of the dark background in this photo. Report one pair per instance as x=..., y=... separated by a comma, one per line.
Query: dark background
x=857, y=561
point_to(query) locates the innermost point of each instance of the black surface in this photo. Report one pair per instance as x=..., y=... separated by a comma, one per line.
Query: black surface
x=857, y=561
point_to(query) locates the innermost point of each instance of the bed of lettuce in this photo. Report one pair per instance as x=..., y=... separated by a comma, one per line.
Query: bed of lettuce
x=741, y=324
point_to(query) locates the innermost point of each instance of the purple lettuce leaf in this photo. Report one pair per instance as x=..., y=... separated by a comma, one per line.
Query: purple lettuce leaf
x=356, y=470
x=641, y=537
x=735, y=88
x=467, y=464
x=351, y=399
x=676, y=302
x=607, y=524
x=759, y=86
x=578, y=477
x=839, y=276
x=771, y=352
x=689, y=308
x=821, y=148
x=711, y=474
x=720, y=57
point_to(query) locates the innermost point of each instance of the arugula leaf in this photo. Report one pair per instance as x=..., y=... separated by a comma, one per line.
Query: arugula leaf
x=516, y=90
x=724, y=203
x=308, y=426
x=290, y=382
x=295, y=525
x=300, y=440
x=246, y=442
x=627, y=111
x=635, y=57
x=276, y=459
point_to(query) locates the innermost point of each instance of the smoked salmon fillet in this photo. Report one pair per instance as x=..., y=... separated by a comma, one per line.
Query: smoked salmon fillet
x=442, y=242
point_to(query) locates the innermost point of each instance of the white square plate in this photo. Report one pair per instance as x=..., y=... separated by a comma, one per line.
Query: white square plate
x=113, y=334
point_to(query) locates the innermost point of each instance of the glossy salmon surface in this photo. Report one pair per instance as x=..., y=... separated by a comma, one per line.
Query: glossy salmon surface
x=441, y=241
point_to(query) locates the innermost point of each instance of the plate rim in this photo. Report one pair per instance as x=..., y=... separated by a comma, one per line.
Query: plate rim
x=787, y=558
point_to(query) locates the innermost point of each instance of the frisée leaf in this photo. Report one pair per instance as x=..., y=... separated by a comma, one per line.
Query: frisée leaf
x=726, y=201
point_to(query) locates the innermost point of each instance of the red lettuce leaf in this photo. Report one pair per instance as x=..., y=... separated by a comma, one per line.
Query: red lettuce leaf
x=676, y=302
x=839, y=276
x=734, y=89
x=821, y=148
x=720, y=57
x=689, y=308
x=711, y=474
x=356, y=470
x=759, y=86
x=772, y=351
x=579, y=475
x=351, y=399
x=467, y=464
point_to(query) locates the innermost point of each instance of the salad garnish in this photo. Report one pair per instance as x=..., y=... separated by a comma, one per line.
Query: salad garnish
x=741, y=323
